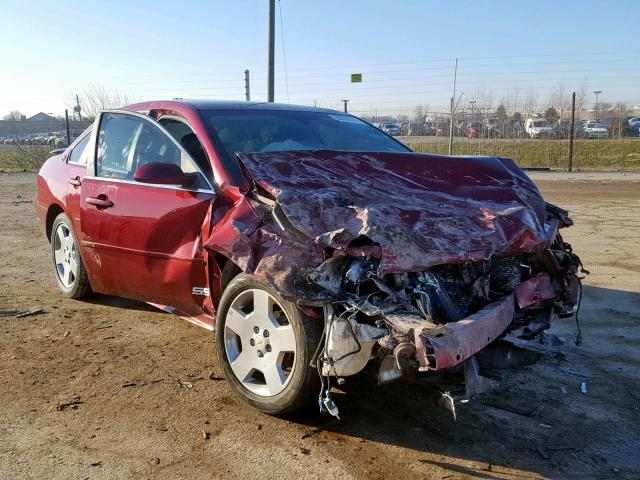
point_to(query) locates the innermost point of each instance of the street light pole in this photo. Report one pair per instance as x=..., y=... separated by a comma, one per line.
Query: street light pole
x=597, y=93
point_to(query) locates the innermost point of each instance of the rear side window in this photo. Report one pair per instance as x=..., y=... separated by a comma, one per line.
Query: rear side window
x=127, y=142
x=77, y=154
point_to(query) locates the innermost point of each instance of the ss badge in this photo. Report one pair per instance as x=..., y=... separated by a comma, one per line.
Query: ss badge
x=200, y=291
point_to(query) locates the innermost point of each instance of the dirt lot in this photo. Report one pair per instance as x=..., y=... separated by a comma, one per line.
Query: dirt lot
x=88, y=389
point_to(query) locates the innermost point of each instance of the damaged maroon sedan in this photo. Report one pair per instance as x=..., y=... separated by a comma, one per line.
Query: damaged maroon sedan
x=312, y=243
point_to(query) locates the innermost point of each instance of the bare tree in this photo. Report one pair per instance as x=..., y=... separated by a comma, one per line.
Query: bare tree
x=15, y=115
x=551, y=114
x=605, y=109
x=581, y=99
x=97, y=98
x=530, y=102
x=419, y=113
x=560, y=99
x=618, y=127
x=484, y=101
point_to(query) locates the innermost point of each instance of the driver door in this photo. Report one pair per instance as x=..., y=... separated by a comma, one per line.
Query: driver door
x=143, y=240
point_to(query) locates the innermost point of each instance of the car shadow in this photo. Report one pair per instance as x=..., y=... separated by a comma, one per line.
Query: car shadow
x=514, y=424
x=121, y=303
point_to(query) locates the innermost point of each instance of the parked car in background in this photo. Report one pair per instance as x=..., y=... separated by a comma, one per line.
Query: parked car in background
x=634, y=126
x=561, y=129
x=417, y=129
x=592, y=129
x=442, y=129
x=490, y=127
x=391, y=128
x=473, y=129
x=458, y=128
x=620, y=126
x=538, y=128
x=431, y=128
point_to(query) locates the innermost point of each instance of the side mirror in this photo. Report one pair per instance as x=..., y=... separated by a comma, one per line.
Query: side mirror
x=162, y=173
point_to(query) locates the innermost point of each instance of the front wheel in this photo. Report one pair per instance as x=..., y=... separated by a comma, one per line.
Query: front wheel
x=265, y=345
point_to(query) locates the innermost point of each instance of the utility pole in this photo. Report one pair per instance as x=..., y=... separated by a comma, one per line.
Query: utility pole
x=78, y=109
x=345, y=101
x=453, y=99
x=597, y=93
x=247, y=93
x=271, y=55
x=571, y=130
x=66, y=119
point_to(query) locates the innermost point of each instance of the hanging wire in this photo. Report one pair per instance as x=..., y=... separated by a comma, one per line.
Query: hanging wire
x=284, y=55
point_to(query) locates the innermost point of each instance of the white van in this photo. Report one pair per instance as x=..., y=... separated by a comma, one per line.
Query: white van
x=537, y=127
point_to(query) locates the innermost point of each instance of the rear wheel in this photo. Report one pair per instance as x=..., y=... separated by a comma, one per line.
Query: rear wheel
x=69, y=270
x=265, y=345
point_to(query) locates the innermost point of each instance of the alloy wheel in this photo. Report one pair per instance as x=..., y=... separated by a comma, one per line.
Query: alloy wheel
x=65, y=253
x=260, y=343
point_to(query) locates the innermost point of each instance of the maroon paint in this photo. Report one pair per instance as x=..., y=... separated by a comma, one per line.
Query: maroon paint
x=447, y=345
x=422, y=210
x=155, y=243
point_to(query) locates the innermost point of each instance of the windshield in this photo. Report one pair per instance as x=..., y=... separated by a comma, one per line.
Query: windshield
x=539, y=123
x=289, y=130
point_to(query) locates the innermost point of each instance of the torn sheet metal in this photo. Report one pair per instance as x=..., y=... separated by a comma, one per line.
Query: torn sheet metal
x=422, y=210
x=535, y=292
x=418, y=210
x=447, y=345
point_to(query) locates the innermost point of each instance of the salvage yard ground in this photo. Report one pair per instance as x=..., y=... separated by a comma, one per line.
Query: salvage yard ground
x=89, y=389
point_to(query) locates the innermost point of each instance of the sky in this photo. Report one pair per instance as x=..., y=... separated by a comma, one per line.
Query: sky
x=513, y=52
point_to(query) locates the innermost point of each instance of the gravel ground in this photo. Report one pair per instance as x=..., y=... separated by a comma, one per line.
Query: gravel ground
x=88, y=388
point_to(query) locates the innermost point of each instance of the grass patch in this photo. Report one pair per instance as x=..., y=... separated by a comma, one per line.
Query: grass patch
x=22, y=158
x=587, y=154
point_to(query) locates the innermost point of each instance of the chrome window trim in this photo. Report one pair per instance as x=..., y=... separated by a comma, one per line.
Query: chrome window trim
x=158, y=185
x=155, y=123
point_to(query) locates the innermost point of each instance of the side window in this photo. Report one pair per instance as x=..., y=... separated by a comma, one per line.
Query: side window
x=189, y=141
x=126, y=143
x=116, y=139
x=77, y=154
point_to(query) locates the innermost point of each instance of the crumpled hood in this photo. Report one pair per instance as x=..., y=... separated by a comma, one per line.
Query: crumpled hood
x=422, y=210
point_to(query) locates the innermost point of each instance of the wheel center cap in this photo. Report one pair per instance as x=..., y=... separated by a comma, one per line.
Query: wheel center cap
x=260, y=340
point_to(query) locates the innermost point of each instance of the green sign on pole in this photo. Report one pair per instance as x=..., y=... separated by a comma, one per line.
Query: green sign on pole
x=356, y=77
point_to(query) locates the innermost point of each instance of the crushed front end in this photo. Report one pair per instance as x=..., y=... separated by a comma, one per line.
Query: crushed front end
x=436, y=319
x=415, y=262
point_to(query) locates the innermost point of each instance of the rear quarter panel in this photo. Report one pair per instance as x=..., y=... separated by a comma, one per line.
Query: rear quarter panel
x=51, y=188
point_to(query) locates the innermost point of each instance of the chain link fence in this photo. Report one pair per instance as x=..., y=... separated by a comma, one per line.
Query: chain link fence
x=535, y=140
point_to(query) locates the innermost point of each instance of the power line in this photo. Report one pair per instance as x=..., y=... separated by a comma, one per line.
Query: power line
x=284, y=55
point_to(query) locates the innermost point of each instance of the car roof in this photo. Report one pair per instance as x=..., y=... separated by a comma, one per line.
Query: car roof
x=235, y=105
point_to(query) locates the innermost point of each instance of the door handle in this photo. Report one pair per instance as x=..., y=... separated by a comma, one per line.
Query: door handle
x=101, y=201
x=75, y=181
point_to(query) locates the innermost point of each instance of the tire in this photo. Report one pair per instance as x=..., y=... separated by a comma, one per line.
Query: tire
x=245, y=350
x=65, y=255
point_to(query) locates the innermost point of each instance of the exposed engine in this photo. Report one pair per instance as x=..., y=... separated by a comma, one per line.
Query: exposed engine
x=437, y=319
